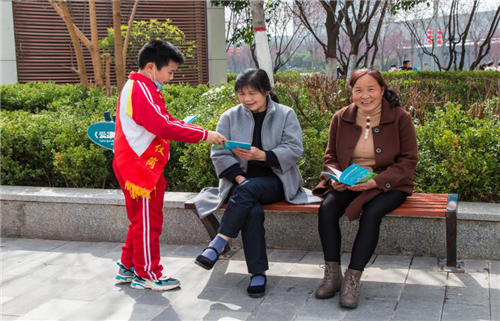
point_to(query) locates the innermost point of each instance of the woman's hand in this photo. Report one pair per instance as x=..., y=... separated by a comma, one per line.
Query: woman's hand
x=363, y=186
x=240, y=179
x=339, y=187
x=252, y=154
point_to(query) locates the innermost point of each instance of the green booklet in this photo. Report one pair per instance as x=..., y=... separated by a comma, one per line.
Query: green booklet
x=353, y=175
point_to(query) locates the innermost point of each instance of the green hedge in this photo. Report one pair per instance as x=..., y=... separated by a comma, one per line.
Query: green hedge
x=44, y=142
x=459, y=154
x=421, y=91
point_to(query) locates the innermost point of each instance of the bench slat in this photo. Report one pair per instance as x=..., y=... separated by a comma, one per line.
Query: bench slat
x=419, y=204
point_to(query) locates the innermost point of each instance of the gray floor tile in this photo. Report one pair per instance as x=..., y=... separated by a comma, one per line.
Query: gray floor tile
x=11, y=258
x=108, y=304
x=137, y=311
x=296, y=285
x=6, y=278
x=472, y=291
x=225, y=314
x=279, y=306
x=35, y=296
x=31, y=244
x=166, y=249
x=62, y=258
x=391, y=261
x=75, y=281
x=465, y=312
x=94, y=248
x=17, y=285
x=23, y=268
x=380, y=290
x=54, y=309
x=495, y=290
x=90, y=270
x=371, y=310
x=183, y=308
x=188, y=251
x=320, y=309
x=313, y=257
x=286, y=256
x=90, y=289
x=420, y=302
x=5, y=299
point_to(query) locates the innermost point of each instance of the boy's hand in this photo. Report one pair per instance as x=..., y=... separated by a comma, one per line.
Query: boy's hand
x=215, y=138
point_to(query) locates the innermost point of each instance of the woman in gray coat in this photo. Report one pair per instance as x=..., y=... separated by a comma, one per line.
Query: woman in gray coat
x=267, y=173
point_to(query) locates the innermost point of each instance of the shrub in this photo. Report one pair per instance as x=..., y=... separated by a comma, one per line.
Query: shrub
x=37, y=96
x=421, y=91
x=144, y=31
x=459, y=154
x=48, y=145
x=197, y=168
x=51, y=149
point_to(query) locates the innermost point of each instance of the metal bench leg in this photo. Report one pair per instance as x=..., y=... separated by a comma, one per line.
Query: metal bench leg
x=451, y=263
x=211, y=224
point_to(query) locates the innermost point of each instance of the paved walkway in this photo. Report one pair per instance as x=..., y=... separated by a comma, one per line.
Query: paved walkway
x=60, y=280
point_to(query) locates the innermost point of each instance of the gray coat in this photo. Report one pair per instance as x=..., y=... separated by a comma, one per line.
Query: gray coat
x=281, y=133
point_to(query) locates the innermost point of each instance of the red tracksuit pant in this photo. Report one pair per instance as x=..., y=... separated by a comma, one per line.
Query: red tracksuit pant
x=142, y=246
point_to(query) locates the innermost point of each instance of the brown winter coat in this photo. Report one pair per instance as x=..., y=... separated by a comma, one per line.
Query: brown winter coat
x=395, y=146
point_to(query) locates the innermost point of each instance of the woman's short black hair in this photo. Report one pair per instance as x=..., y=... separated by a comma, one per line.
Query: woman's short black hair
x=256, y=79
x=160, y=52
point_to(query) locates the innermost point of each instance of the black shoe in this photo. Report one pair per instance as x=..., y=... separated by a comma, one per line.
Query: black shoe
x=204, y=261
x=257, y=291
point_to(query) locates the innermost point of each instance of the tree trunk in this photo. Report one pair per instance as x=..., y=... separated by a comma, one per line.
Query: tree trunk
x=261, y=43
x=129, y=27
x=353, y=58
x=119, y=66
x=94, y=49
x=332, y=25
x=107, y=59
x=63, y=11
x=331, y=67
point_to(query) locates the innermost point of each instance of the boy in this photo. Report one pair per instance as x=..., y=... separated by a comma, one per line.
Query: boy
x=406, y=65
x=393, y=68
x=144, y=129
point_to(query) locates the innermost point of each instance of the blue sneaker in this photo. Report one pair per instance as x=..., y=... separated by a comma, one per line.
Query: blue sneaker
x=124, y=275
x=162, y=284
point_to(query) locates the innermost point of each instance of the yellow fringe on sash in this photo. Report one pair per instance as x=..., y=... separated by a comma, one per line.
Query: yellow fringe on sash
x=137, y=191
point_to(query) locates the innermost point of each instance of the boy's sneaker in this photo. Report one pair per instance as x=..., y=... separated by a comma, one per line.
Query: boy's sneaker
x=124, y=275
x=162, y=284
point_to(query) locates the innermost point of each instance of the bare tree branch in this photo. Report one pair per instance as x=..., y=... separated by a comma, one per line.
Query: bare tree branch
x=129, y=28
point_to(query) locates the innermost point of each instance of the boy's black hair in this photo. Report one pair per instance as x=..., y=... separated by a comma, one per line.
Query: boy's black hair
x=405, y=61
x=160, y=52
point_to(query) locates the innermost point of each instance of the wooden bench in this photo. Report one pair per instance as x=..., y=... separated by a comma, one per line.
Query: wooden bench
x=417, y=205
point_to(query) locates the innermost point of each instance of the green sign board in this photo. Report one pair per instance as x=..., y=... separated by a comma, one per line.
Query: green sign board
x=102, y=133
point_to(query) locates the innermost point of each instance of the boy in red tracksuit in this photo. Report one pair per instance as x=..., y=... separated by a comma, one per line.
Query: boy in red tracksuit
x=143, y=132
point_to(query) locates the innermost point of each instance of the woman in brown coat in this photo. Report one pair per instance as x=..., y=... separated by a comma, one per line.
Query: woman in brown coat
x=377, y=134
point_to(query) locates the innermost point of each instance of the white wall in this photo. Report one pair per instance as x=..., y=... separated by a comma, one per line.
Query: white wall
x=217, y=65
x=8, y=64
